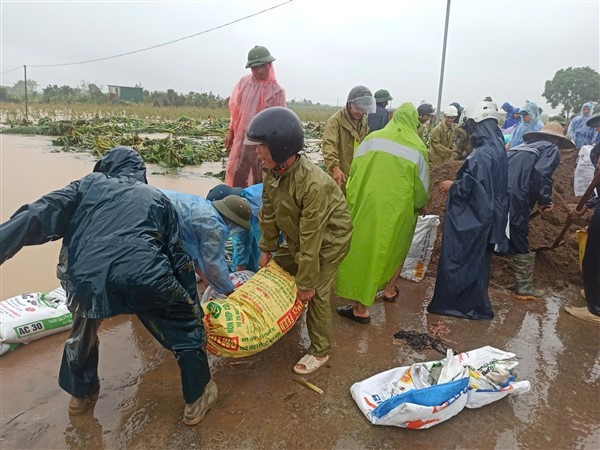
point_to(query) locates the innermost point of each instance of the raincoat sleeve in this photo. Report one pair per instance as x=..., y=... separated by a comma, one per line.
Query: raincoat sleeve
x=242, y=242
x=234, y=106
x=420, y=194
x=269, y=239
x=330, y=145
x=542, y=175
x=211, y=254
x=42, y=221
x=183, y=278
x=313, y=220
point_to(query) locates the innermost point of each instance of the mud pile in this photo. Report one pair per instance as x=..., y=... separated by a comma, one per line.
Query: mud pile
x=555, y=268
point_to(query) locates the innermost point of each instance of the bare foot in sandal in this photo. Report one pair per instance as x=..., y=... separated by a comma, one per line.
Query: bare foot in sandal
x=309, y=364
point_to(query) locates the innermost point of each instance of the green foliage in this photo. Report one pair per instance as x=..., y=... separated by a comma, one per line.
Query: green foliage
x=572, y=87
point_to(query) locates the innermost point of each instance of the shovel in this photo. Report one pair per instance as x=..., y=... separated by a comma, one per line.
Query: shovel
x=558, y=241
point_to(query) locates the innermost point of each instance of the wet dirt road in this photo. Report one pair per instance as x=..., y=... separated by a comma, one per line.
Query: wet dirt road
x=259, y=405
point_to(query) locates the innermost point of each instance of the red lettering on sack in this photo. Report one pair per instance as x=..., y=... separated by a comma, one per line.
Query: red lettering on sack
x=415, y=424
x=289, y=318
x=226, y=343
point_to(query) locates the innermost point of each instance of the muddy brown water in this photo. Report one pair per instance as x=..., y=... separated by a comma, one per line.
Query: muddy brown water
x=259, y=405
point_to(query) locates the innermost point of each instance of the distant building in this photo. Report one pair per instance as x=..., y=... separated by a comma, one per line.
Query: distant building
x=126, y=93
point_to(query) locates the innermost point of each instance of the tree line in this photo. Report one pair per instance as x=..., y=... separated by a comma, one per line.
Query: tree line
x=569, y=89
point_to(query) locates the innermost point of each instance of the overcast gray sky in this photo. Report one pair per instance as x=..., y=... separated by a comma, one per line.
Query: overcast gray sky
x=505, y=49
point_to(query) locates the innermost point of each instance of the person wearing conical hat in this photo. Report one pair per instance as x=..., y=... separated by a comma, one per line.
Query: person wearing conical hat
x=530, y=169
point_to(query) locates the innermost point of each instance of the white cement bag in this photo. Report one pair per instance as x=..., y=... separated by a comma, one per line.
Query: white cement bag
x=417, y=260
x=403, y=397
x=237, y=278
x=28, y=317
x=488, y=366
x=415, y=397
x=584, y=171
x=6, y=348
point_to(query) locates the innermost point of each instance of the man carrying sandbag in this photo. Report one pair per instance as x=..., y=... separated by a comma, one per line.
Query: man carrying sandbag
x=121, y=254
x=304, y=203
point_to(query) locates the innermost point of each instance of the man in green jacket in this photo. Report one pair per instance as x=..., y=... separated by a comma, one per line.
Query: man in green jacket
x=443, y=138
x=300, y=200
x=426, y=115
x=344, y=131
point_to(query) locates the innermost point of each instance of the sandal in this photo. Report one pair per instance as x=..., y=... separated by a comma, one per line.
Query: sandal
x=348, y=313
x=391, y=299
x=310, y=363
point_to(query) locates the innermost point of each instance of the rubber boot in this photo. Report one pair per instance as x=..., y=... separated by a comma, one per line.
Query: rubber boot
x=193, y=413
x=524, y=276
x=80, y=405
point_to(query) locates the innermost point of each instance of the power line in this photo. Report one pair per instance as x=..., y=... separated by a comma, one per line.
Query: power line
x=11, y=70
x=163, y=44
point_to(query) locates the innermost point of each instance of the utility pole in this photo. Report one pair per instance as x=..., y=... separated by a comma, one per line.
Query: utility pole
x=439, y=101
x=26, y=112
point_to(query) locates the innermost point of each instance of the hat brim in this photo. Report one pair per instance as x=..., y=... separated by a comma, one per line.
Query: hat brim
x=563, y=142
x=594, y=121
x=222, y=207
x=384, y=99
x=259, y=62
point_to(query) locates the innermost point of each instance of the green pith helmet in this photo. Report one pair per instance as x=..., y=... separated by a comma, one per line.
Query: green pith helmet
x=236, y=209
x=382, y=96
x=258, y=56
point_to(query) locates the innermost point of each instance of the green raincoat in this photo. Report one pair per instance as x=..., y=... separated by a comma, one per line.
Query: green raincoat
x=388, y=184
x=340, y=140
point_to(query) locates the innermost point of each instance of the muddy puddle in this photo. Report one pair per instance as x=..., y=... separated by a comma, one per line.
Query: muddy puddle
x=260, y=406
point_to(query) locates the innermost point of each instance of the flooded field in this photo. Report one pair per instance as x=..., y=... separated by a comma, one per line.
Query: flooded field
x=259, y=405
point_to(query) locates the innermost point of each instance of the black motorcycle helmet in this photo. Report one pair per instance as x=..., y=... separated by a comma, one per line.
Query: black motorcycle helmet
x=279, y=128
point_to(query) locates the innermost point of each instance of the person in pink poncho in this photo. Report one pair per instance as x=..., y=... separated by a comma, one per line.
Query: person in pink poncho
x=251, y=95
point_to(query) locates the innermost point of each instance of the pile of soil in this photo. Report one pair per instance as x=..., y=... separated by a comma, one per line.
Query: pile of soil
x=555, y=268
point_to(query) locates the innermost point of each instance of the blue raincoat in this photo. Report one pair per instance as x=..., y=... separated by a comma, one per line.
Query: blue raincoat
x=510, y=112
x=203, y=232
x=579, y=132
x=475, y=221
x=245, y=243
x=523, y=128
x=530, y=170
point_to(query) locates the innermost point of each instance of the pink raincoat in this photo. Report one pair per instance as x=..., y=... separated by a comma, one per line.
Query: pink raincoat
x=249, y=97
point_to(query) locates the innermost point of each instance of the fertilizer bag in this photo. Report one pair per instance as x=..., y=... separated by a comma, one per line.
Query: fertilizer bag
x=419, y=254
x=584, y=171
x=28, y=317
x=427, y=394
x=254, y=316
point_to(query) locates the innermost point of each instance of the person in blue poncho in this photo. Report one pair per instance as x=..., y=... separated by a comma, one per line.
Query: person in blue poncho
x=531, y=122
x=246, y=252
x=512, y=116
x=475, y=220
x=205, y=226
x=579, y=131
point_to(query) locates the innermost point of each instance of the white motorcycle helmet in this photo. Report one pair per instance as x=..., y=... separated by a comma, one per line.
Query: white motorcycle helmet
x=479, y=112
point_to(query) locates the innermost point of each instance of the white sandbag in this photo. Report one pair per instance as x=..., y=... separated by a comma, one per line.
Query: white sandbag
x=28, y=317
x=7, y=348
x=237, y=278
x=426, y=394
x=417, y=260
x=486, y=365
x=584, y=171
